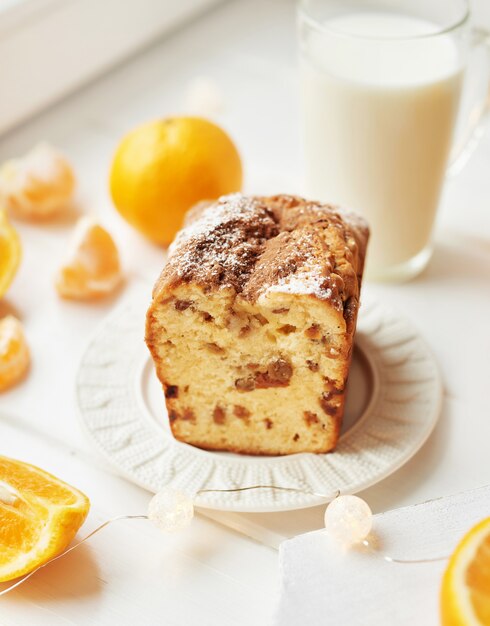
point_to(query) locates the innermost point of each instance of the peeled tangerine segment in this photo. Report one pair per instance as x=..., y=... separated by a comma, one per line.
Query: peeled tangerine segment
x=39, y=516
x=14, y=353
x=93, y=268
x=38, y=185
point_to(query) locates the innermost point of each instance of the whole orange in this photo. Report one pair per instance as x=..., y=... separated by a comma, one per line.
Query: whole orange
x=164, y=167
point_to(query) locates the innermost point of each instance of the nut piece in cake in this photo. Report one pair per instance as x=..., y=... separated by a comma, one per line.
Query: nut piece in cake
x=252, y=322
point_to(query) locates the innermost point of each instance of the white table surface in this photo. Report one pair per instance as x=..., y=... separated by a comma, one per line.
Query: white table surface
x=211, y=574
x=363, y=588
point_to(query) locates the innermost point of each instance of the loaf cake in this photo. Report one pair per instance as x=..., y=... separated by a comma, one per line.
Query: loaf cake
x=252, y=322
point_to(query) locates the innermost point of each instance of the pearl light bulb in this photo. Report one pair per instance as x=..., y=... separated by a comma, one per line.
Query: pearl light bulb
x=171, y=510
x=348, y=519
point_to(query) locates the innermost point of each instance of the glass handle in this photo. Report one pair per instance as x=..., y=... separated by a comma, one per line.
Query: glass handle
x=476, y=107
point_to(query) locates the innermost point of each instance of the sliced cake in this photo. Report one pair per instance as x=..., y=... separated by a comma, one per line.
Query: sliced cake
x=252, y=323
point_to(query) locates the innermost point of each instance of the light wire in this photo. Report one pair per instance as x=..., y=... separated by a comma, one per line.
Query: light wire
x=331, y=496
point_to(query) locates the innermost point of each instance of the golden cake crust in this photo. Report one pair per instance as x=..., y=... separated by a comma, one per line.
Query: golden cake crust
x=252, y=244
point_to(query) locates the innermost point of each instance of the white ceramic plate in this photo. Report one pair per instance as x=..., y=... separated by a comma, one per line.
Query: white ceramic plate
x=393, y=403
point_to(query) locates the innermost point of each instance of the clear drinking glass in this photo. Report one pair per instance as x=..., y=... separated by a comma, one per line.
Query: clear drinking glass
x=381, y=84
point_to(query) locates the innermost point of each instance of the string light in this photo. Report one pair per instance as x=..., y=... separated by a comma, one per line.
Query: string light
x=171, y=510
x=348, y=520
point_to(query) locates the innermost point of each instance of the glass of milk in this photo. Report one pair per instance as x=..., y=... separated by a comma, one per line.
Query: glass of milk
x=381, y=82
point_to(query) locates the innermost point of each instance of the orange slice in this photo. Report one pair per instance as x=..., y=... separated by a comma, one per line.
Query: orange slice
x=38, y=185
x=10, y=253
x=465, y=593
x=93, y=268
x=39, y=516
x=14, y=353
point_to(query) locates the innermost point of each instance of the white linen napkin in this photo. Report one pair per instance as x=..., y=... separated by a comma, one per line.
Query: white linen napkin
x=323, y=584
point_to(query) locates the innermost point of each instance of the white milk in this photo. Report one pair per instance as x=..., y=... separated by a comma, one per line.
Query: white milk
x=378, y=123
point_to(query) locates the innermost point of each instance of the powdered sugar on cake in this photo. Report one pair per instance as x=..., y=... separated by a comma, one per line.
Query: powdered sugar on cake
x=256, y=245
x=302, y=284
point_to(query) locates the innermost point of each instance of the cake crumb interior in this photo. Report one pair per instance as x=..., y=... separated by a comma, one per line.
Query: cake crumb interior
x=256, y=378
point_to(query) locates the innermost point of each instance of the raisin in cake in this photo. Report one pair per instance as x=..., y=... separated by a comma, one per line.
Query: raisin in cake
x=252, y=322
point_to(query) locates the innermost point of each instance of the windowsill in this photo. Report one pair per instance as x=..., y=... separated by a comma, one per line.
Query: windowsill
x=50, y=47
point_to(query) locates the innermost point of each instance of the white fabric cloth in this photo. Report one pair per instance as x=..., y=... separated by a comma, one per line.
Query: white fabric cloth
x=323, y=584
